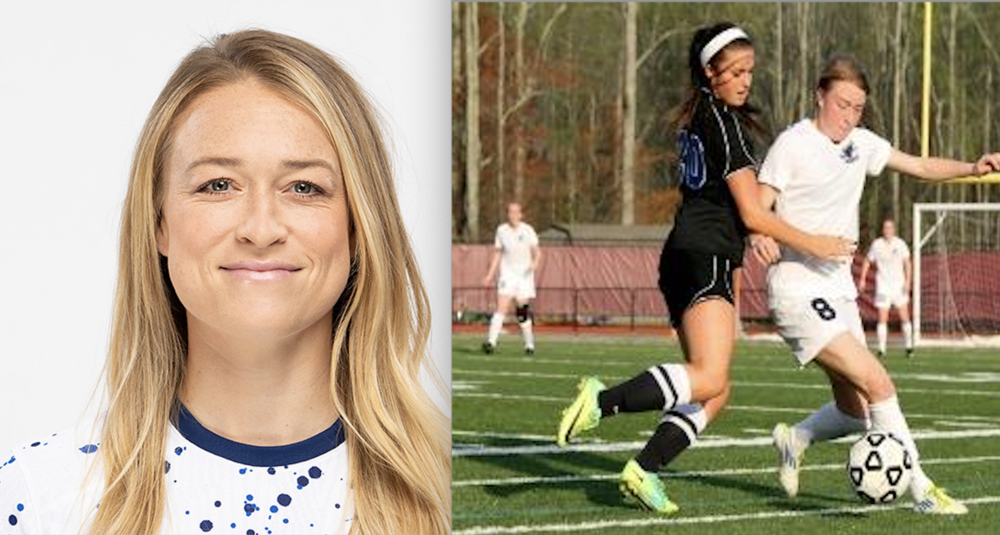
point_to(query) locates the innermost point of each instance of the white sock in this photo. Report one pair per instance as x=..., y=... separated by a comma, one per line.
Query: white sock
x=693, y=413
x=674, y=384
x=908, y=334
x=888, y=416
x=882, y=330
x=496, y=324
x=826, y=423
x=527, y=333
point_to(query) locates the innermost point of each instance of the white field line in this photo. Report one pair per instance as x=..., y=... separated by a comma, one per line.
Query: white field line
x=751, y=384
x=752, y=408
x=470, y=450
x=513, y=436
x=536, y=480
x=714, y=519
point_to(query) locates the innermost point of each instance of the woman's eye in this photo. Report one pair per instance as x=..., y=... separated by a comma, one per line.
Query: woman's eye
x=304, y=188
x=219, y=185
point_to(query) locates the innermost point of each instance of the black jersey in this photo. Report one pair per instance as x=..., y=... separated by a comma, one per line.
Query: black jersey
x=711, y=148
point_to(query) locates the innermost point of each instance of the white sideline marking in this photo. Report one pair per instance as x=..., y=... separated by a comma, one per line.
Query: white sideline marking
x=645, y=522
x=534, y=480
x=792, y=410
x=550, y=449
x=514, y=436
x=752, y=384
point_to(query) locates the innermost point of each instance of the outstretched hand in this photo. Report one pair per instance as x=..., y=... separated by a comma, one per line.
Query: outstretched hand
x=987, y=163
x=832, y=248
x=765, y=249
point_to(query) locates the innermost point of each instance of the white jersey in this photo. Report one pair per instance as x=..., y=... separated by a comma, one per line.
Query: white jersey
x=820, y=184
x=515, y=245
x=889, y=257
x=214, y=485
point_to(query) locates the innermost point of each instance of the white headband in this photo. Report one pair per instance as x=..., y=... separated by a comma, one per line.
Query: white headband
x=719, y=42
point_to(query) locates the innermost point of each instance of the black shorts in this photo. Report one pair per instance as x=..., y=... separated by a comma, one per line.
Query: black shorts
x=688, y=277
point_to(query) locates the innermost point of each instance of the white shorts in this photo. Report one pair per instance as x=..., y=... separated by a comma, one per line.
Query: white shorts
x=521, y=288
x=807, y=324
x=896, y=299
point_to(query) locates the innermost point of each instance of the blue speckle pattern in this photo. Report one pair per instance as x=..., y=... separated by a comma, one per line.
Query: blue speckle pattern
x=277, y=490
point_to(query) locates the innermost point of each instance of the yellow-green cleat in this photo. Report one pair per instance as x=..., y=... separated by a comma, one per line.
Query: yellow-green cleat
x=583, y=414
x=937, y=502
x=645, y=488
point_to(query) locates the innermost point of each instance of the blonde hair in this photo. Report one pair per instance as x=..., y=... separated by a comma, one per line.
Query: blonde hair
x=398, y=441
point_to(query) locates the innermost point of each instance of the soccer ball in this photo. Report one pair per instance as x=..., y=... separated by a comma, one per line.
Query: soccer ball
x=879, y=467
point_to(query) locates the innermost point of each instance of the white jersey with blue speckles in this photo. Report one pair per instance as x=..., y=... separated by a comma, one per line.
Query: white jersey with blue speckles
x=261, y=492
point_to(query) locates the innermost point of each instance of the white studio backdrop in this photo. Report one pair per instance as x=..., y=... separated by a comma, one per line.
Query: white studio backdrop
x=77, y=80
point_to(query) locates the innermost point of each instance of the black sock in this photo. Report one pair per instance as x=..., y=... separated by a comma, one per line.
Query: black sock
x=639, y=394
x=667, y=443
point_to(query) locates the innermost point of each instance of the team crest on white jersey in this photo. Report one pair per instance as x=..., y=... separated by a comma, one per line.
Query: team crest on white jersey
x=849, y=153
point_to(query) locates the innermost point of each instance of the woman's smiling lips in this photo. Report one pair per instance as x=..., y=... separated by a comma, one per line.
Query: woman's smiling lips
x=253, y=271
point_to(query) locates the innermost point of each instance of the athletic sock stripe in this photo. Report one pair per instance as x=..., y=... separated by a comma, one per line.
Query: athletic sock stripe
x=683, y=423
x=670, y=385
x=688, y=422
x=666, y=387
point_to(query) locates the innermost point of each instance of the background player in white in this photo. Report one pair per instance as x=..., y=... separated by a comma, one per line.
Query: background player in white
x=893, y=280
x=517, y=255
x=815, y=171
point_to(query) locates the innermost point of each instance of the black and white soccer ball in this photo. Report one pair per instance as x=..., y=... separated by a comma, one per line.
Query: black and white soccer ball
x=879, y=467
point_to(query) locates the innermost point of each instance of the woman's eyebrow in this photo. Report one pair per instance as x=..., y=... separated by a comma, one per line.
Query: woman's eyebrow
x=295, y=165
x=216, y=160
x=287, y=165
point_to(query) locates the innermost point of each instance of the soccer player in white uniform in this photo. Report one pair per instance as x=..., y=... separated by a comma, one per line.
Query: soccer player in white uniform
x=815, y=171
x=893, y=279
x=517, y=255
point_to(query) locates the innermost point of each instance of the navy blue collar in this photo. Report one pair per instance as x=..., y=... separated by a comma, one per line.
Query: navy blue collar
x=309, y=448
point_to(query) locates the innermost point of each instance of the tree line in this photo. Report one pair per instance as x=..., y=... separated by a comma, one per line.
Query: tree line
x=564, y=106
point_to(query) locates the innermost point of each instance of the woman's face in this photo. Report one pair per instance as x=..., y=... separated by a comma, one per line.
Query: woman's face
x=255, y=222
x=840, y=109
x=731, y=74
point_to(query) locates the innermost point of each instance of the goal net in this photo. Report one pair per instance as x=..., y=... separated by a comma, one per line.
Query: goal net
x=956, y=273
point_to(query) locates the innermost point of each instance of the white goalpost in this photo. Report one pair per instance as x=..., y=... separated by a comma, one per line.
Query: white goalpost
x=956, y=273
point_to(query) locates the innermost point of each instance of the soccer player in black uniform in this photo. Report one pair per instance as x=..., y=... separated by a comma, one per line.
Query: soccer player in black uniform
x=718, y=181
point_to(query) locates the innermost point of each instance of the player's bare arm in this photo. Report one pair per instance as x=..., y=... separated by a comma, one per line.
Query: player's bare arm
x=931, y=168
x=492, y=271
x=743, y=186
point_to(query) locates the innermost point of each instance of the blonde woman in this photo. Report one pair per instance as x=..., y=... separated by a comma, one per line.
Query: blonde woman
x=269, y=328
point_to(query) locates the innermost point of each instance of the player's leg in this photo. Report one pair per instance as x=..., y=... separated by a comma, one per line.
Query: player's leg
x=525, y=293
x=680, y=426
x=845, y=415
x=504, y=302
x=851, y=360
x=708, y=353
x=698, y=291
x=882, y=327
x=807, y=325
x=903, y=307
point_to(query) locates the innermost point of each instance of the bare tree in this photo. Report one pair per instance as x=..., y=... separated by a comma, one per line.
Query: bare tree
x=628, y=122
x=473, y=153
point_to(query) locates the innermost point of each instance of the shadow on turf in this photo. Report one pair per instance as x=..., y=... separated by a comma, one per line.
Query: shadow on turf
x=605, y=492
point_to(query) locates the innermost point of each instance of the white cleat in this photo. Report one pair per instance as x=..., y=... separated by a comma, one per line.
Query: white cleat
x=937, y=502
x=790, y=452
